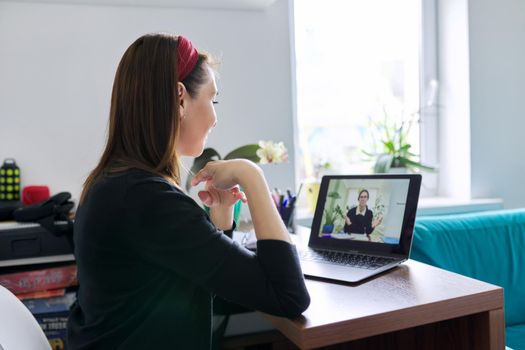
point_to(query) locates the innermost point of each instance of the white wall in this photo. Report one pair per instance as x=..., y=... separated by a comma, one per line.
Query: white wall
x=481, y=72
x=57, y=64
x=497, y=80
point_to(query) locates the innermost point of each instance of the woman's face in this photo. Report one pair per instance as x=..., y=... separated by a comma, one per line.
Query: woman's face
x=197, y=117
x=363, y=199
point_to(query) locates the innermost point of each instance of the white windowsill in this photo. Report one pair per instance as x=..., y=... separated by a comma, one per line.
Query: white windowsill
x=444, y=206
x=432, y=206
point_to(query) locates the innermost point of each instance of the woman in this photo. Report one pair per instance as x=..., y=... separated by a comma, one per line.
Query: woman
x=359, y=219
x=150, y=260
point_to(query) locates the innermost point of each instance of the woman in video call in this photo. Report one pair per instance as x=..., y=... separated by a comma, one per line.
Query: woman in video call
x=359, y=219
x=150, y=260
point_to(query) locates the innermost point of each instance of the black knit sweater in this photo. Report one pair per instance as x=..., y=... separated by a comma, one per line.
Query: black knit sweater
x=150, y=263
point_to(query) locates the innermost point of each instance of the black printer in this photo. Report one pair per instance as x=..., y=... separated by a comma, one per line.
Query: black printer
x=41, y=231
x=31, y=240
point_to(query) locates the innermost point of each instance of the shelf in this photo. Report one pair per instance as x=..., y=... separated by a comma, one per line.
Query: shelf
x=430, y=206
x=37, y=260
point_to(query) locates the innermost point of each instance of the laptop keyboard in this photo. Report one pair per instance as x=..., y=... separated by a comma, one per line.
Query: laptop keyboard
x=368, y=262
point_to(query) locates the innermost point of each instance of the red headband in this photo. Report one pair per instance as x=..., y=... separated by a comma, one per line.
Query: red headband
x=187, y=57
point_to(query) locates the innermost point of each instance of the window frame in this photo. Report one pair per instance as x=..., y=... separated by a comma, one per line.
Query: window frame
x=429, y=95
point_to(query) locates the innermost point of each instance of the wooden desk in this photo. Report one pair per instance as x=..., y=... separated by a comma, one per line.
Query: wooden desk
x=414, y=306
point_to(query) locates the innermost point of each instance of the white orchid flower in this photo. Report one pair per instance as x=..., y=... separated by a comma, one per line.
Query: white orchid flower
x=271, y=152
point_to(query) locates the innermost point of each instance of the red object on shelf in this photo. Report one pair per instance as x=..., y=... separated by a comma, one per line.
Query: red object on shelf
x=34, y=194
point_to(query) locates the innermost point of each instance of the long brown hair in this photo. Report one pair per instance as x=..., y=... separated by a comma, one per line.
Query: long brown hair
x=144, y=113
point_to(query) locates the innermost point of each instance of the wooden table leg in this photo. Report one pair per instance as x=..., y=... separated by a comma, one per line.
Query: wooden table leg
x=490, y=328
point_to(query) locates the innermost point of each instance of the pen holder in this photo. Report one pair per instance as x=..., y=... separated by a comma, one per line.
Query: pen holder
x=287, y=216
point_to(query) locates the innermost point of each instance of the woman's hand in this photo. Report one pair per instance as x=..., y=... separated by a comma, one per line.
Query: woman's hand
x=221, y=191
x=213, y=197
x=226, y=174
x=221, y=204
x=377, y=222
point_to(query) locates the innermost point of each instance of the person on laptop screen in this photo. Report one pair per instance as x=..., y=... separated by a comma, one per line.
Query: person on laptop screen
x=359, y=219
x=152, y=265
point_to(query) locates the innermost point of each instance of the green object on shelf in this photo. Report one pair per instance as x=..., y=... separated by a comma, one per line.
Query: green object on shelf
x=9, y=181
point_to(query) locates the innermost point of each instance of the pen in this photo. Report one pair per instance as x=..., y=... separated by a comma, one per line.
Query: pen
x=299, y=191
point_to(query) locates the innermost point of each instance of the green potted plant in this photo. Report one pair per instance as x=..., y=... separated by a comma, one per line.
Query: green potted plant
x=395, y=148
x=332, y=213
x=330, y=218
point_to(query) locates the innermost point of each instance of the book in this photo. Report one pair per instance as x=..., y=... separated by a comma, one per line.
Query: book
x=52, y=314
x=41, y=294
x=51, y=305
x=40, y=280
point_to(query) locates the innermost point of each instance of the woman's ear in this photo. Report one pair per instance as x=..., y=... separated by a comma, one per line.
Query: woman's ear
x=182, y=94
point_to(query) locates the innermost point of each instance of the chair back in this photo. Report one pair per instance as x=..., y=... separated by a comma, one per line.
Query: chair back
x=18, y=328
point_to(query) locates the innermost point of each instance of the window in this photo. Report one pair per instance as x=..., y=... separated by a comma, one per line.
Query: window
x=360, y=63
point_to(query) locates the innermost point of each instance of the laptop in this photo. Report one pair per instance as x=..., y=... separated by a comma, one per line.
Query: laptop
x=363, y=225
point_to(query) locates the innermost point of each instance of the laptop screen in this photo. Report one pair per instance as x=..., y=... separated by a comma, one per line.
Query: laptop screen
x=371, y=210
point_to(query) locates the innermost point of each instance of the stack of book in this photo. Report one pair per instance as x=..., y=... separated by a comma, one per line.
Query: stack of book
x=48, y=291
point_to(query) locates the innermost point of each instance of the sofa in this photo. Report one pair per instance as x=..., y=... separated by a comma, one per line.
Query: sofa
x=488, y=246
